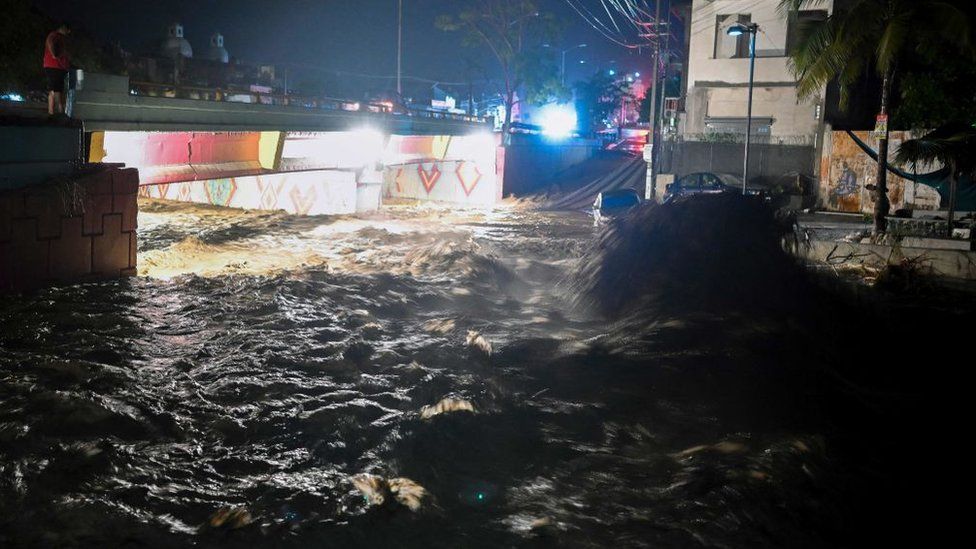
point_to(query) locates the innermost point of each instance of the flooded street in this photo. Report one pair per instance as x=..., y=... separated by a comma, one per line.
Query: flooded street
x=236, y=392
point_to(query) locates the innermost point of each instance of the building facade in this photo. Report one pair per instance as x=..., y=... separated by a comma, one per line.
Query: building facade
x=718, y=72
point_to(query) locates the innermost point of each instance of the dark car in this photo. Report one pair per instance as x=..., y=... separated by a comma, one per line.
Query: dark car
x=612, y=203
x=707, y=183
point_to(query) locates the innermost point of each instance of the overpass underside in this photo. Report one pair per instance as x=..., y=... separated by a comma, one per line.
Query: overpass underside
x=306, y=156
x=306, y=173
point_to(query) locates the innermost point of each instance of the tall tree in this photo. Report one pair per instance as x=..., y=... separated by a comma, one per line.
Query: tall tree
x=515, y=32
x=864, y=35
x=596, y=98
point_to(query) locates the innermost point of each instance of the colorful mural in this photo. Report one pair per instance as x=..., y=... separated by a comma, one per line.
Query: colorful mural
x=459, y=169
x=307, y=172
x=302, y=193
x=847, y=172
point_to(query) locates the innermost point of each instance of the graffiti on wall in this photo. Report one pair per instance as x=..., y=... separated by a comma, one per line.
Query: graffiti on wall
x=848, y=176
x=301, y=193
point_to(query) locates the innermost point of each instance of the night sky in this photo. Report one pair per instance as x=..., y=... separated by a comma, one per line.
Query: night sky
x=355, y=36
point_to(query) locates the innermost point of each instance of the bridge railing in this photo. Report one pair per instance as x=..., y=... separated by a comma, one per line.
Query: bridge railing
x=179, y=91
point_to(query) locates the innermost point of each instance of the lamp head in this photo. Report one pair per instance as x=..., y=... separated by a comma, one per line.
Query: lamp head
x=739, y=29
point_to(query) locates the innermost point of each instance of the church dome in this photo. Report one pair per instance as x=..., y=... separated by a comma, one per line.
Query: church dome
x=175, y=44
x=217, y=51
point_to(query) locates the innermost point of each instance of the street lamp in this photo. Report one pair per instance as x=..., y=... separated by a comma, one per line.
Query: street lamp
x=562, y=70
x=752, y=29
x=399, y=50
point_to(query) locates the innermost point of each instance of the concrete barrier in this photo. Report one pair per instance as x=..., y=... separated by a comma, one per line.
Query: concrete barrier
x=957, y=264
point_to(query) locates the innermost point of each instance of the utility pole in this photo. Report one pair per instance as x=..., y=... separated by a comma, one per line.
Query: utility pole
x=649, y=189
x=664, y=87
x=399, y=49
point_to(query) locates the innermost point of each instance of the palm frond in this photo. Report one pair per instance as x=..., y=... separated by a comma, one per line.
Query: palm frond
x=953, y=144
x=893, y=36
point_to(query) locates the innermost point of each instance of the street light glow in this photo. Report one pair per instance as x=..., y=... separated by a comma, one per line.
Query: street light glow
x=557, y=121
x=739, y=29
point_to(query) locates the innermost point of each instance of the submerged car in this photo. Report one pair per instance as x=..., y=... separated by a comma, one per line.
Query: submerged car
x=707, y=183
x=613, y=203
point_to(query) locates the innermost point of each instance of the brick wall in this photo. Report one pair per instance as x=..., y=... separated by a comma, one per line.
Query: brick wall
x=77, y=230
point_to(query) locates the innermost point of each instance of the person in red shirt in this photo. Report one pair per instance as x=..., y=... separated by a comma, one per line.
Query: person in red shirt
x=56, y=65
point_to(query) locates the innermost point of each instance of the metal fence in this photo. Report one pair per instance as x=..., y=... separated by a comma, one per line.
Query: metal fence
x=765, y=159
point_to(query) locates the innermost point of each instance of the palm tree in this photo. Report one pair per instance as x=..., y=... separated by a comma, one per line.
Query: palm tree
x=952, y=145
x=861, y=35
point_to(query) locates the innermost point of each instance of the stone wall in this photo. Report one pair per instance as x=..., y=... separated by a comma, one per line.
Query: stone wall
x=79, y=229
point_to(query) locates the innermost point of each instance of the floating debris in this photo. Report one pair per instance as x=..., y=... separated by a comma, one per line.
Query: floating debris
x=445, y=406
x=724, y=447
x=230, y=518
x=543, y=522
x=372, y=330
x=374, y=488
x=478, y=342
x=410, y=494
x=439, y=325
x=379, y=491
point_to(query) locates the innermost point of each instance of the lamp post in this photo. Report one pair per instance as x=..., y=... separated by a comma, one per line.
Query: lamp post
x=752, y=29
x=562, y=65
x=399, y=49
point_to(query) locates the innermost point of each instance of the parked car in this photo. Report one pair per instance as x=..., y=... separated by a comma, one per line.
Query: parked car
x=613, y=203
x=707, y=183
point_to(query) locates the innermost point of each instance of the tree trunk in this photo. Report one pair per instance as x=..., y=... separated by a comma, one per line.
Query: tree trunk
x=506, y=127
x=882, y=206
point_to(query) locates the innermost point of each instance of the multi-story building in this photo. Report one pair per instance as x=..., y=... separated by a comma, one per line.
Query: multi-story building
x=718, y=72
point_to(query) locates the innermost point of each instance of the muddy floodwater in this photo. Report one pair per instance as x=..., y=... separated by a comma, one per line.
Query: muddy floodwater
x=240, y=390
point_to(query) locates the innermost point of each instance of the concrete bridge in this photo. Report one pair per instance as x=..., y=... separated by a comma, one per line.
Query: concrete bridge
x=113, y=103
x=62, y=218
x=265, y=151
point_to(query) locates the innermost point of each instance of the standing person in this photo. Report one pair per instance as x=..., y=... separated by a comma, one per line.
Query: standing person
x=56, y=64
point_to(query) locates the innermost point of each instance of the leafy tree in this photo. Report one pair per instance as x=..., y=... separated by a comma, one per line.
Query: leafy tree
x=952, y=145
x=865, y=35
x=935, y=91
x=596, y=98
x=514, y=31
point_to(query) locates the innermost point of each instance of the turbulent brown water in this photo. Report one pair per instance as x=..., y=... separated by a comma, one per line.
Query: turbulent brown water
x=263, y=360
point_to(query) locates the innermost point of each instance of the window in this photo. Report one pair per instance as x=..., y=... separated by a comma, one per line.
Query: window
x=798, y=24
x=731, y=47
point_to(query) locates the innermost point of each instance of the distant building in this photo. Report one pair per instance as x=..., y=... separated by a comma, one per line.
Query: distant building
x=174, y=63
x=176, y=45
x=217, y=51
x=718, y=71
